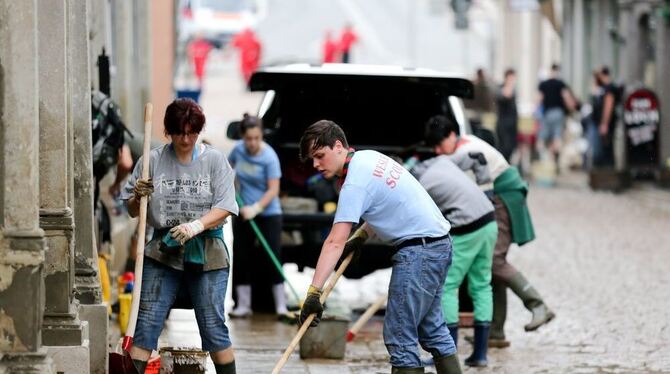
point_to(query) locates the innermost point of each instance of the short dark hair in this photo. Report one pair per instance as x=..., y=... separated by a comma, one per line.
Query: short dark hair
x=439, y=127
x=250, y=122
x=605, y=70
x=509, y=72
x=320, y=134
x=555, y=67
x=180, y=113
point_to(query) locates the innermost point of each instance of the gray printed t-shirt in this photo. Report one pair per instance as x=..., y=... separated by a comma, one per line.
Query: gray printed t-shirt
x=460, y=200
x=184, y=192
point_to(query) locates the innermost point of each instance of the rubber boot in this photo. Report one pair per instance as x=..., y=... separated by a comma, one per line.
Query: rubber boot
x=140, y=366
x=280, y=299
x=243, y=305
x=478, y=356
x=228, y=368
x=453, y=331
x=448, y=364
x=395, y=370
x=497, y=333
x=532, y=301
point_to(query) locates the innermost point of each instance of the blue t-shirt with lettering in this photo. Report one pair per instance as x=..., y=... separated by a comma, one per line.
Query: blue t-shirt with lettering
x=253, y=173
x=389, y=199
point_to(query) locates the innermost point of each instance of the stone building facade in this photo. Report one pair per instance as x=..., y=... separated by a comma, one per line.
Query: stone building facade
x=52, y=316
x=632, y=37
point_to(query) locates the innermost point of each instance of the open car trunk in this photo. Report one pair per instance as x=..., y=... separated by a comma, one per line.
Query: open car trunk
x=378, y=108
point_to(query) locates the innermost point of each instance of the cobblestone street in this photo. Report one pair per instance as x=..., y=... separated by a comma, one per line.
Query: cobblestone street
x=600, y=260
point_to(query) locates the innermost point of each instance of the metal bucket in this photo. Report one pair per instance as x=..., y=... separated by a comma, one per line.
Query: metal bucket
x=327, y=340
x=179, y=360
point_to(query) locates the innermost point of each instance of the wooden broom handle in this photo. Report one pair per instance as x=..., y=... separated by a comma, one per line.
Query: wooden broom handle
x=141, y=229
x=296, y=339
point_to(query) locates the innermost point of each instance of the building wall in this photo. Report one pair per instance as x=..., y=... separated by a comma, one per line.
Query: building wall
x=162, y=57
x=45, y=126
x=528, y=43
x=629, y=36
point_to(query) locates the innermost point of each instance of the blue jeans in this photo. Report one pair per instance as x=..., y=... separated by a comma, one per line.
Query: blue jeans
x=414, y=309
x=551, y=126
x=206, y=290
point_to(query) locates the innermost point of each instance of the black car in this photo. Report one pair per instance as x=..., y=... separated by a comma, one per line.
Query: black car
x=379, y=107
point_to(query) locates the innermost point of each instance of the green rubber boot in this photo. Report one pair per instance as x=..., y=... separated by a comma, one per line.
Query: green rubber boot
x=532, y=301
x=497, y=333
x=448, y=364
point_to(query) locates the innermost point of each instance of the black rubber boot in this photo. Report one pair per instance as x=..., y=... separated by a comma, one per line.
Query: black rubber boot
x=532, y=301
x=228, y=368
x=478, y=356
x=448, y=364
x=497, y=334
x=453, y=331
x=140, y=366
x=395, y=370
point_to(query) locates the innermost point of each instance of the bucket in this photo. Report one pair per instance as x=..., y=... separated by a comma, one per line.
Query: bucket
x=183, y=360
x=189, y=93
x=125, y=300
x=327, y=340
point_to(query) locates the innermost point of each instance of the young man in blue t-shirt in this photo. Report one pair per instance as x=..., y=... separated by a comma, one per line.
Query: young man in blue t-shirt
x=397, y=209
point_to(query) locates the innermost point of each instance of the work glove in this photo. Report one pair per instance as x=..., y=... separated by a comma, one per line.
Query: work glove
x=354, y=244
x=312, y=305
x=186, y=231
x=143, y=187
x=250, y=211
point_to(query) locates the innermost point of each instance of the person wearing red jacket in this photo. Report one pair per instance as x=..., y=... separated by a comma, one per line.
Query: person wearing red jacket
x=198, y=52
x=250, y=52
x=347, y=39
x=330, y=48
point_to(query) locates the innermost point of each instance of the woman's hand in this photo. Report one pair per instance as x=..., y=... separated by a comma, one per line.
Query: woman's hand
x=143, y=187
x=186, y=231
x=250, y=211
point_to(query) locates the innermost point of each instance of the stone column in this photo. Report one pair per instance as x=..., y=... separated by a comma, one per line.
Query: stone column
x=124, y=84
x=568, y=43
x=87, y=284
x=21, y=239
x=61, y=324
x=631, y=53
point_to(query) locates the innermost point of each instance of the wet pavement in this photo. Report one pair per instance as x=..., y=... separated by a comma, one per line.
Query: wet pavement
x=600, y=260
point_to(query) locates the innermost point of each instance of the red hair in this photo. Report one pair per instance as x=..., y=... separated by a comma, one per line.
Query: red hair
x=181, y=113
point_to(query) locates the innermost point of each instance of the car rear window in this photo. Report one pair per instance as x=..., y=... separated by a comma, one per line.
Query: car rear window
x=382, y=114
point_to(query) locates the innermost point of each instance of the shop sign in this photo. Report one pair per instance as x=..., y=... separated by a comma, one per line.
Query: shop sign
x=641, y=119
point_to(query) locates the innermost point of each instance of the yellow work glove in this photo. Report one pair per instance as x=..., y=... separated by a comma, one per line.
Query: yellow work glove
x=354, y=244
x=312, y=305
x=143, y=187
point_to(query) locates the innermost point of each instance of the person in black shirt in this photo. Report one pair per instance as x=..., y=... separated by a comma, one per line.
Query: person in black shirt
x=506, y=125
x=556, y=101
x=604, y=117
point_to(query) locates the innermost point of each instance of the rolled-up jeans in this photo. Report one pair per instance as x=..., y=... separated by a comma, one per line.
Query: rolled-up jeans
x=414, y=309
x=161, y=285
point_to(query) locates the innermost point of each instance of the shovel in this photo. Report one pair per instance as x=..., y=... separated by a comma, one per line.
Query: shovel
x=121, y=363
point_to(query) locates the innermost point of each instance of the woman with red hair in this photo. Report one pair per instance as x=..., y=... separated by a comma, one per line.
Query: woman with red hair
x=191, y=194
